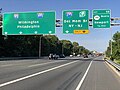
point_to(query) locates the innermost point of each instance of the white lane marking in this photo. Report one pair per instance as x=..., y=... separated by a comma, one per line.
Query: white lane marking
x=7, y=65
x=43, y=64
x=83, y=78
x=35, y=74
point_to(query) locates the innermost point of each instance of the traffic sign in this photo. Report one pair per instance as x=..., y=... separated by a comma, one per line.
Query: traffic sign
x=29, y=23
x=101, y=18
x=76, y=21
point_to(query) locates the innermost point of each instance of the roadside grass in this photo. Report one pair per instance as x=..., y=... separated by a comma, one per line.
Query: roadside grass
x=117, y=61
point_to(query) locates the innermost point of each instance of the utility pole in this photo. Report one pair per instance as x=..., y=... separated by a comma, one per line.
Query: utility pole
x=111, y=42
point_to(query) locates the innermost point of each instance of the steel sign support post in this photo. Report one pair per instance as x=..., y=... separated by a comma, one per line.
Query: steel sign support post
x=40, y=44
x=62, y=49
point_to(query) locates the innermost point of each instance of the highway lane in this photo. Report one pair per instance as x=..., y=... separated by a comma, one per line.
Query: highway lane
x=59, y=75
x=101, y=77
x=23, y=68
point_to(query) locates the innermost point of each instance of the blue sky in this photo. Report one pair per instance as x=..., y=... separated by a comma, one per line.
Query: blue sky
x=98, y=39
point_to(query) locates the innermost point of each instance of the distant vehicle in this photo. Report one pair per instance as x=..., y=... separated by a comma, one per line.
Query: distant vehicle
x=62, y=56
x=85, y=56
x=71, y=55
x=53, y=56
x=78, y=55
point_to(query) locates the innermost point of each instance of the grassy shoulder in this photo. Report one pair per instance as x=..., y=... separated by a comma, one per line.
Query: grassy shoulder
x=117, y=61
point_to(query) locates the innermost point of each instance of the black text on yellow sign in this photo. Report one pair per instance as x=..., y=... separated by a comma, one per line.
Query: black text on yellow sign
x=81, y=31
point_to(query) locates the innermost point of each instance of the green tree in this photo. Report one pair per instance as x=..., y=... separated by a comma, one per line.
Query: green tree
x=50, y=44
x=76, y=48
x=67, y=47
x=28, y=45
x=115, y=47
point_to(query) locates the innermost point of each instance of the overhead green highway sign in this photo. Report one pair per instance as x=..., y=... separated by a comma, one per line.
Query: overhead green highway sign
x=101, y=18
x=75, y=21
x=29, y=23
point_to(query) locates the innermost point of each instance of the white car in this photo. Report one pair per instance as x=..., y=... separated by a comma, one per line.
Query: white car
x=71, y=55
x=78, y=55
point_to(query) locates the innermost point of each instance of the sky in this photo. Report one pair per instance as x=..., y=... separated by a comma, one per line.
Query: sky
x=97, y=39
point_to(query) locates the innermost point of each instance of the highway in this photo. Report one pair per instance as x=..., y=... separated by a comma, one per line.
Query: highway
x=67, y=74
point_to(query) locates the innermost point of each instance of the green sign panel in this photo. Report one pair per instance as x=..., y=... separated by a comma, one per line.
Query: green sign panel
x=30, y=23
x=76, y=21
x=101, y=18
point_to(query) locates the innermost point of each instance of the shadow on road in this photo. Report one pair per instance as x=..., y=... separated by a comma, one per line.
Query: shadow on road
x=99, y=60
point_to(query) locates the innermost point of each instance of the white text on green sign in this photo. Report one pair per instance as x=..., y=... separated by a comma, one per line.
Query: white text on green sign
x=75, y=20
x=101, y=18
x=29, y=23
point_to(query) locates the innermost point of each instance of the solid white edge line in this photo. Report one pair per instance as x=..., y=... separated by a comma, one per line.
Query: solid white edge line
x=35, y=74
x=83, y=78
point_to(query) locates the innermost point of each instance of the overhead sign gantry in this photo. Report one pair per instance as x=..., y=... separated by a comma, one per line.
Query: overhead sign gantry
x=73, y=22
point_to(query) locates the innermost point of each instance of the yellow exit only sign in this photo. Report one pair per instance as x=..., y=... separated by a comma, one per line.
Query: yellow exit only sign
x=81, y=31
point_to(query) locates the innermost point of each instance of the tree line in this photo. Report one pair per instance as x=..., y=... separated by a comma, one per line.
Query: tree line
x=115, y=47
x=28, y=46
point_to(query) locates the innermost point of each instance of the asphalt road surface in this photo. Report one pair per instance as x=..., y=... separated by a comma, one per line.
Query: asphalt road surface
x=69, y=74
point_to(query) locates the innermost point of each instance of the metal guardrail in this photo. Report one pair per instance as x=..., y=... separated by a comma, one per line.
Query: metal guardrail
x=117, y=66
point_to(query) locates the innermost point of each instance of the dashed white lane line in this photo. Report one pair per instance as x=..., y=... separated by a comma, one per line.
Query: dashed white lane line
x=35, y=74
x=6, y=65
x=83, y=78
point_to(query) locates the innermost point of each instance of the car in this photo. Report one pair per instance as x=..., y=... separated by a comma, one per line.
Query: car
x=62, y=56
x=51, y=56
x=71, y=55
x=78, y=55
x=55, y=56
x=85, y=56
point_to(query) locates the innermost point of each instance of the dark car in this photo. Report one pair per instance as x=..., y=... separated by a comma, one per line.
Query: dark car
x=85, y=56
x=62, y=56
